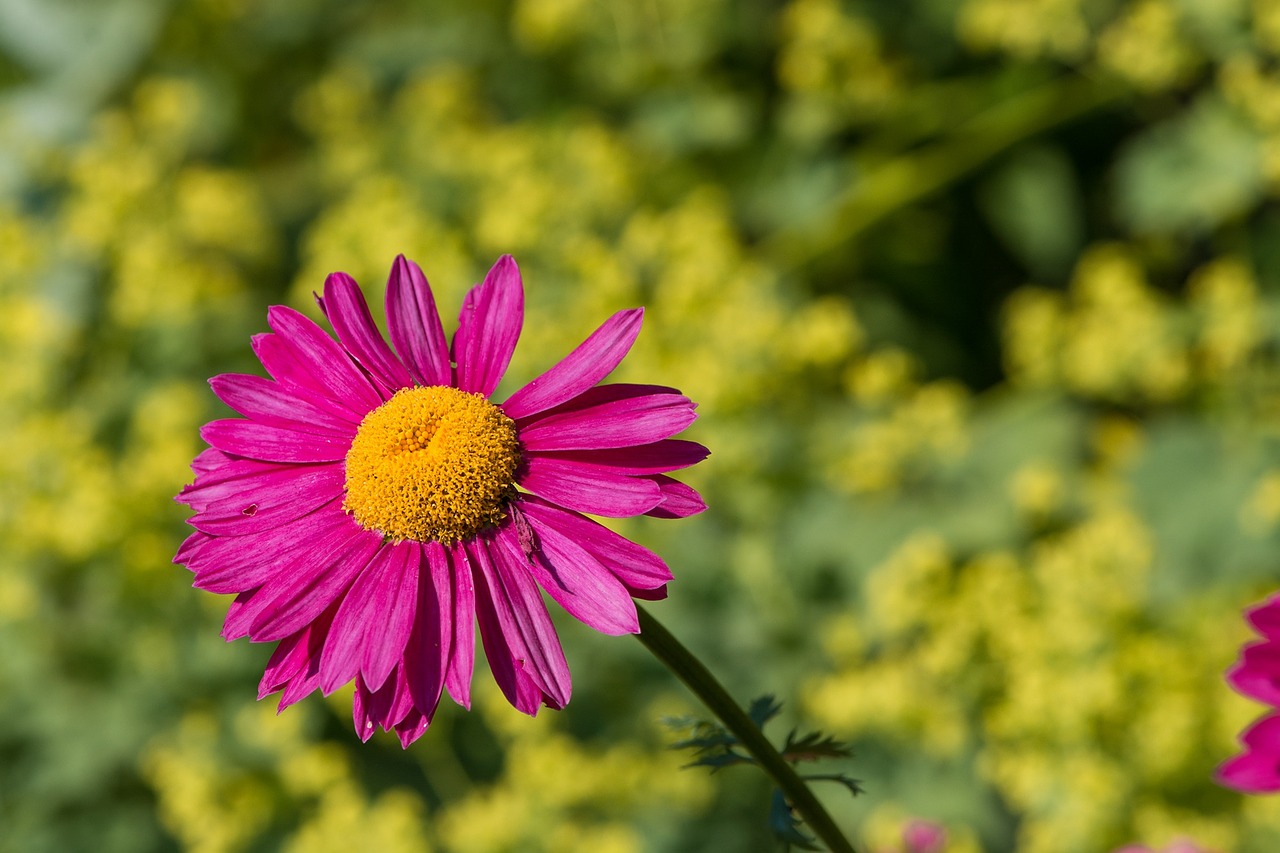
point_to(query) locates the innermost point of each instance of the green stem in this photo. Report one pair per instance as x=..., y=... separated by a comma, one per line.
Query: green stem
x=699, y=679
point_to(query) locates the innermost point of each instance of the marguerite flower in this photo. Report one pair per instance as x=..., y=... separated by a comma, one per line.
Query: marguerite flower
x=1257, y=675
x=373, y=505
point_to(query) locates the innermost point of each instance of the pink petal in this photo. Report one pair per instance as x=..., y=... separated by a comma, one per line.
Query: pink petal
x=301, y=688
x=1250, y=774
x=270, y=403
x=1257, y=771
x=401, y=701
x=577, y=581
x=298, y=599
x=219, y=476
x=613, y=423
x=209, y=462
x=600, y=394
x=191, y=546
x=360, y=717
x=349, y=315
x=507, y=669
x=426, y=658
x=287, y=662
x=412, y=727
x=287, y=367
x=401, y=706
x=462, y=646
x=1257, y=673
x=588, y=488
x=590, y=362
x=225, y=564
x=1265, y=617
x=1264, y=735
x=273, y=444
x=331, y=368
x=382, y=708
x=414, y=324
x=655, y=594
x=372, y=627
x=239, y=613
x=636, y=567
x=519, y=639
x=270, y=499
x=678, y=500
x=488, y=328
x=295, y=664
x=231, y=556
x=657, y=458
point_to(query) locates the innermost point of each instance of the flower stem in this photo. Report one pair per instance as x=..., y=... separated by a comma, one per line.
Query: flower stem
x=699, y=679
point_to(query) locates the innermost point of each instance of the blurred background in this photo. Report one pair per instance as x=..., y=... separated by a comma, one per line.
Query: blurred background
x=980, y=300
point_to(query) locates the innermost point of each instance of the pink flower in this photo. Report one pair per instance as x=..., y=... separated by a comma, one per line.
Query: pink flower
x=1257, y=675
x=372, y=504
x=923, y=836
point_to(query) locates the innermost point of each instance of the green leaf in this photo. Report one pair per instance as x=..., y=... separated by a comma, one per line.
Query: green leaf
x=814, y=746
x=1190, y=173
x=786, y=826
x=763, y=709
x=854, y=785
x=1034, y=206
x=711, y=740
x=728, y=758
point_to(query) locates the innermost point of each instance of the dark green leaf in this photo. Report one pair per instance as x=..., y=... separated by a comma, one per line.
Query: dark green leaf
x=721, y=761
x=854, y=786
x=763, y=709
x=786, y=826
x=814, y=746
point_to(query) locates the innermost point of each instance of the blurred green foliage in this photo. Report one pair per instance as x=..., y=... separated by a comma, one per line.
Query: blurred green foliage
x=980, y=299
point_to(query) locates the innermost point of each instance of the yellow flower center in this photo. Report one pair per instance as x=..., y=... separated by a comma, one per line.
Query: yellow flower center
x=432, y=463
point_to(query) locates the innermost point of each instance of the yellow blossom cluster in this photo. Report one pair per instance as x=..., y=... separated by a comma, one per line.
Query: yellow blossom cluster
x=1113, y=336
x=224, y=785
x=1054, y=28
x=1143, y=43
x=901, y=428
x=214, y=806
x=557, y=794
x=1089, y=700
x=1087, y=706
x=833, y=66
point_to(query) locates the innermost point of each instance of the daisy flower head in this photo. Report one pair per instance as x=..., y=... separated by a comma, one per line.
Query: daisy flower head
x=373, y=504
x=1257, y=675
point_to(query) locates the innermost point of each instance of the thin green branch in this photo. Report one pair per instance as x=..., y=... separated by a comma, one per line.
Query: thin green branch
x=699, y=679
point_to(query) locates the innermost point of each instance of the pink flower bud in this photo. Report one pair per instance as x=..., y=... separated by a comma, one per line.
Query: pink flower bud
x=923, y=836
